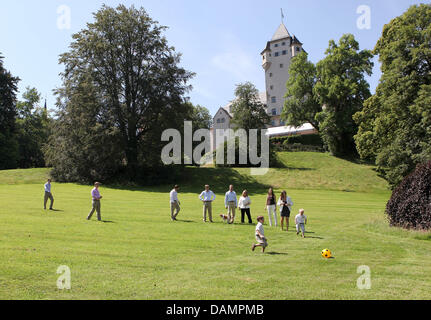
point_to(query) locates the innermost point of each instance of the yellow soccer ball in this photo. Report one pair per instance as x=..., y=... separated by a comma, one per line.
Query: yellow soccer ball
x=326, y=253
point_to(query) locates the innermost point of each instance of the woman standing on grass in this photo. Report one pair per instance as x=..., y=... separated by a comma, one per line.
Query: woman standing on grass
x=271, y=206
x=244, y=205
x=285, y=204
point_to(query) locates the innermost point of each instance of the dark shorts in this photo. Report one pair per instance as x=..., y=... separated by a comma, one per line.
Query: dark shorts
x=285, y=213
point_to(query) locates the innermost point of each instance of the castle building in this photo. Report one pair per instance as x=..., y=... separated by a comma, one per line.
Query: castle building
x=276, y=60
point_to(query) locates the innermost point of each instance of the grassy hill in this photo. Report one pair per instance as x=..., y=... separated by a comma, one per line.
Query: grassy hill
x=138, y=253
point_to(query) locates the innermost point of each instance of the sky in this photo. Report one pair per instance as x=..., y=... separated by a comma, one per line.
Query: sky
x=219, y=40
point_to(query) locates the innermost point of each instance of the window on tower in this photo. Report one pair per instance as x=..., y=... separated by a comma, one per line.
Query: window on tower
x=223, y=120
x=270, y=75
x=273, y=100
x=281, y=65
x=277, y=54
x=271, y=87
x=284, y=52
x=283, y=44
x=276, y=45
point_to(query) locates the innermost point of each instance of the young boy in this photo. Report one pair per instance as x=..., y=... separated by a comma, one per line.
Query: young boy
x=260, y=235
x=300, y=221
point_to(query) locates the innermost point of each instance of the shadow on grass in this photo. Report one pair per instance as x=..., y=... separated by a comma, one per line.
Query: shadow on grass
x=193, y=180
x=107, y=221
x=277, y=253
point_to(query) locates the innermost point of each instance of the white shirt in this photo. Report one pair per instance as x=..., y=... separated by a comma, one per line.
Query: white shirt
x=207, y=196
x=259, y=228
x=47, y=187
x=244, y=203
x=300, y=219
x=174, y=196
x=288, y=201
x=230, y=197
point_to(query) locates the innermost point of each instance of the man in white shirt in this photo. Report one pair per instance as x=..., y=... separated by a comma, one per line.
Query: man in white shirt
x=207, y=197
x=231, y=203
x=48, y=195
x=300, y=221
x=175, y=203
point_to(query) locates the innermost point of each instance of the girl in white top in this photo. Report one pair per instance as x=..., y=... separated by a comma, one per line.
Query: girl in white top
x=244, y=205
x=285, y=203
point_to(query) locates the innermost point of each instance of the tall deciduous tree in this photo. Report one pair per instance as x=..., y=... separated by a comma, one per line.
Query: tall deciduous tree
x=8, y=113
x=32, y=130
x=395, y=124
x=301, y=105
x=135, y=81
x=342, y=89
x=248, y=111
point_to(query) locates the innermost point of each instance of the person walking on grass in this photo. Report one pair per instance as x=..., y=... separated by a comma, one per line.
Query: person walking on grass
x=285, y=203
x=244, y=205
x=231, y=203
x=207, y=197
x=271, y=206
x=95, y=194
x=260, y=235
x=48, y=195
x=300, y=221
x=175, y=203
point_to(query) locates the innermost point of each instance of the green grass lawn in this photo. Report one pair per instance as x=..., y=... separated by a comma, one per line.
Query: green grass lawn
x=138, y=253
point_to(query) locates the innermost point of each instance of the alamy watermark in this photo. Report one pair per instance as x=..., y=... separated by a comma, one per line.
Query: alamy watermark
x=203, y=154
x=64, y=19
x=64, y=280
x=364, y=20
x=364, y=281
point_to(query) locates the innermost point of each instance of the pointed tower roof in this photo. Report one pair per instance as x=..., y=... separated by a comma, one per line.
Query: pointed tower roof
x=281, y=33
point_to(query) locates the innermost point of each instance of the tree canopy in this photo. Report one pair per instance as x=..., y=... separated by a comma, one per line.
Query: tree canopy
x=395, y=124
x=8, y=113
x=247, y=109
x=122, y=87
x=328, y=94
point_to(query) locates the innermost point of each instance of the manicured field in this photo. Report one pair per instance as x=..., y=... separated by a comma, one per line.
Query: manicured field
x=138, y=253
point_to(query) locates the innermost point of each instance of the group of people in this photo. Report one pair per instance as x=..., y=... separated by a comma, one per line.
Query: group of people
x=231, y=202
x=95, y=196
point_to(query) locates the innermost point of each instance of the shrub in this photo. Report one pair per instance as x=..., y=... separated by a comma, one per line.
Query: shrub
x=410, y=204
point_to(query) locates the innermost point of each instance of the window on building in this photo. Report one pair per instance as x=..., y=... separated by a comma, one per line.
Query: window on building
x=277, y=54
x=281, y=65
x=274, y=112
x=223, y=120
x=218, y=120
x=273, y=100
x=276, y=45
x=284, y=52
x=271, y=87
x=270, y=75
x=273, y=123
x=283, y=43
x=298, y=49
x=282, y=123
x=270, y=54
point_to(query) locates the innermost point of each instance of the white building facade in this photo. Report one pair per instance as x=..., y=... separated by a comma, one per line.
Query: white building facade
x=276, y=60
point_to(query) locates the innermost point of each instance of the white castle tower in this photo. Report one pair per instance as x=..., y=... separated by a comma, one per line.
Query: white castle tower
x=277, y=57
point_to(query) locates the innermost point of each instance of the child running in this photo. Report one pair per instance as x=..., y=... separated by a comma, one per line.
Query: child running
x=260, y=235
x=300, y=221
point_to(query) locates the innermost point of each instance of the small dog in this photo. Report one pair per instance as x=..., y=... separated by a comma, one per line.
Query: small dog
x=225, y=218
